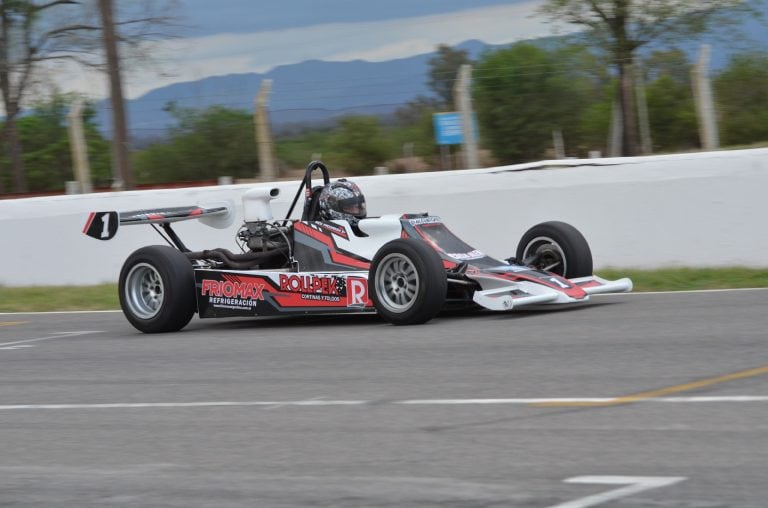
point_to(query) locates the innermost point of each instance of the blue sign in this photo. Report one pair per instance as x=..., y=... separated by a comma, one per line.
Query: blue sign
x=448, y=128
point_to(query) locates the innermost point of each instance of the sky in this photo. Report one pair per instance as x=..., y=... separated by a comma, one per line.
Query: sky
x=239, y=36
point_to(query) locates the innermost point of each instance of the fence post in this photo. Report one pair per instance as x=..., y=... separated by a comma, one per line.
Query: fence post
x=463, y=100
x=705, y=103
x=267, y=171
x=79, y=148
x=646, y=140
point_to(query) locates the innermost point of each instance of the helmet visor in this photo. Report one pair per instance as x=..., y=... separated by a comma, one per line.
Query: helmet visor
x=353, y=206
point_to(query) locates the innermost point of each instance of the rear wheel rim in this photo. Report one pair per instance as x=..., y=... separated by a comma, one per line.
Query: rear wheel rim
x=144, y=291
x=397, y=283
x=548, y=255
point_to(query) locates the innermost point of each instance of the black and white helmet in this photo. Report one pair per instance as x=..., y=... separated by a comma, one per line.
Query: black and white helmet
x=342, y=200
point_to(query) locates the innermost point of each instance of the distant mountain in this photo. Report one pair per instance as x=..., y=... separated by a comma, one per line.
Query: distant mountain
x=307, y=92
x=318, y=91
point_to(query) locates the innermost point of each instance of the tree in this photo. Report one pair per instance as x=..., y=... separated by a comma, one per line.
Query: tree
x=443, y=68
x=139, y=23
x=33, y=32
x=119, y=122
x=296, y=149
x=670, y=102
x=47, y=155
x=206, y=144
x=359, y=144
x=524, y=92
x=413, y=124
x=24, y=45
x=621, y=27
x=741, y=92
x=672, y=62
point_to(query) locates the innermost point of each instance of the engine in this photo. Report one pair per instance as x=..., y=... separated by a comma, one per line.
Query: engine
x=262, y=236
x=265, y=244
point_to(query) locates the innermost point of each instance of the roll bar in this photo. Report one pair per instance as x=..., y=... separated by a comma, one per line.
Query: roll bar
x=306, y=185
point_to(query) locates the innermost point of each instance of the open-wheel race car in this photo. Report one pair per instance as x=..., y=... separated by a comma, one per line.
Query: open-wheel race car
x=335, y=260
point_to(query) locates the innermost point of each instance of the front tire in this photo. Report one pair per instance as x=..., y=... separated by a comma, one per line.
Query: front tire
x=407, y=282
x=157, y=289
x=556, y=247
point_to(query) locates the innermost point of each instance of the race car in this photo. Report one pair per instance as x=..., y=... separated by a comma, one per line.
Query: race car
x=336, y=260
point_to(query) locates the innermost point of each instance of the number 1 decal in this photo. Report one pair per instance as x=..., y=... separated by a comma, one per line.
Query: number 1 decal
x=102, y=225
x=634, y=484
x=105, y=229
x=559, y=282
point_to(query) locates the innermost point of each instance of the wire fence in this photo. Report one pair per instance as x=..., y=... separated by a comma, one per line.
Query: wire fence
x=200, y=131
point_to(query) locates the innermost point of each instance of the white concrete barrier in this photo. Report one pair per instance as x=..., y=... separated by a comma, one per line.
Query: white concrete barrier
x=704, y=209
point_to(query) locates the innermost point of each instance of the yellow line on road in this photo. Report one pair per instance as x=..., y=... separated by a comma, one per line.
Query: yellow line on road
x=661, y=392
x=13, y=323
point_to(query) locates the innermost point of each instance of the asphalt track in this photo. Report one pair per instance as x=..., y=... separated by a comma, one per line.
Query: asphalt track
x=644, y=400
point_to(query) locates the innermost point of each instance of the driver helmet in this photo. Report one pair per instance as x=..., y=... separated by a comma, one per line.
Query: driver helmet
x=342, y=200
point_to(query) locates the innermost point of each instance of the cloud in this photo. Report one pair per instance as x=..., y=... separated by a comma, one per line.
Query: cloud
x=494, y=25
x=193, y=58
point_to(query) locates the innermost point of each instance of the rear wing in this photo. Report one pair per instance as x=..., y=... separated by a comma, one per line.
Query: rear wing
x=104, y=225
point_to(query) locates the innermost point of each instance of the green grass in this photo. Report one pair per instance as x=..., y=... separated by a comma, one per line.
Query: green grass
x=104, y=297
x=51, y=298
x=685, y=279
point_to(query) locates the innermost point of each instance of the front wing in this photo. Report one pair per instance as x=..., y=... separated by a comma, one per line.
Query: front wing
x=518, y=293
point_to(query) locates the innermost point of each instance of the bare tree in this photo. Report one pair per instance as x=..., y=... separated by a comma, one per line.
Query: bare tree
x=143, y=22
x=621, y=27
x=22, y=48
x=123, y=172
x=33, y=32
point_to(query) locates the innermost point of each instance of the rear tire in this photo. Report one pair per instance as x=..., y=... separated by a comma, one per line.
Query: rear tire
x=556, y=247
x=407, y=282
x=157, y=289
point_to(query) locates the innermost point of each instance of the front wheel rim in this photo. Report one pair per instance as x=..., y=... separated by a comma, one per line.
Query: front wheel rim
x=548, y=254
x=397, y=283
x=144, y=291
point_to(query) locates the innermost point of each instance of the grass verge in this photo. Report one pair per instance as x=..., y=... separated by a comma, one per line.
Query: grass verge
x=53, y=298
x=104, y=297
x=688, y=279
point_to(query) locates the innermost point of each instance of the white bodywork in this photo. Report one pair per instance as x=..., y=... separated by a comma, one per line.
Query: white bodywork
x=256, y=206
x=508, y=295
x=380, y=230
